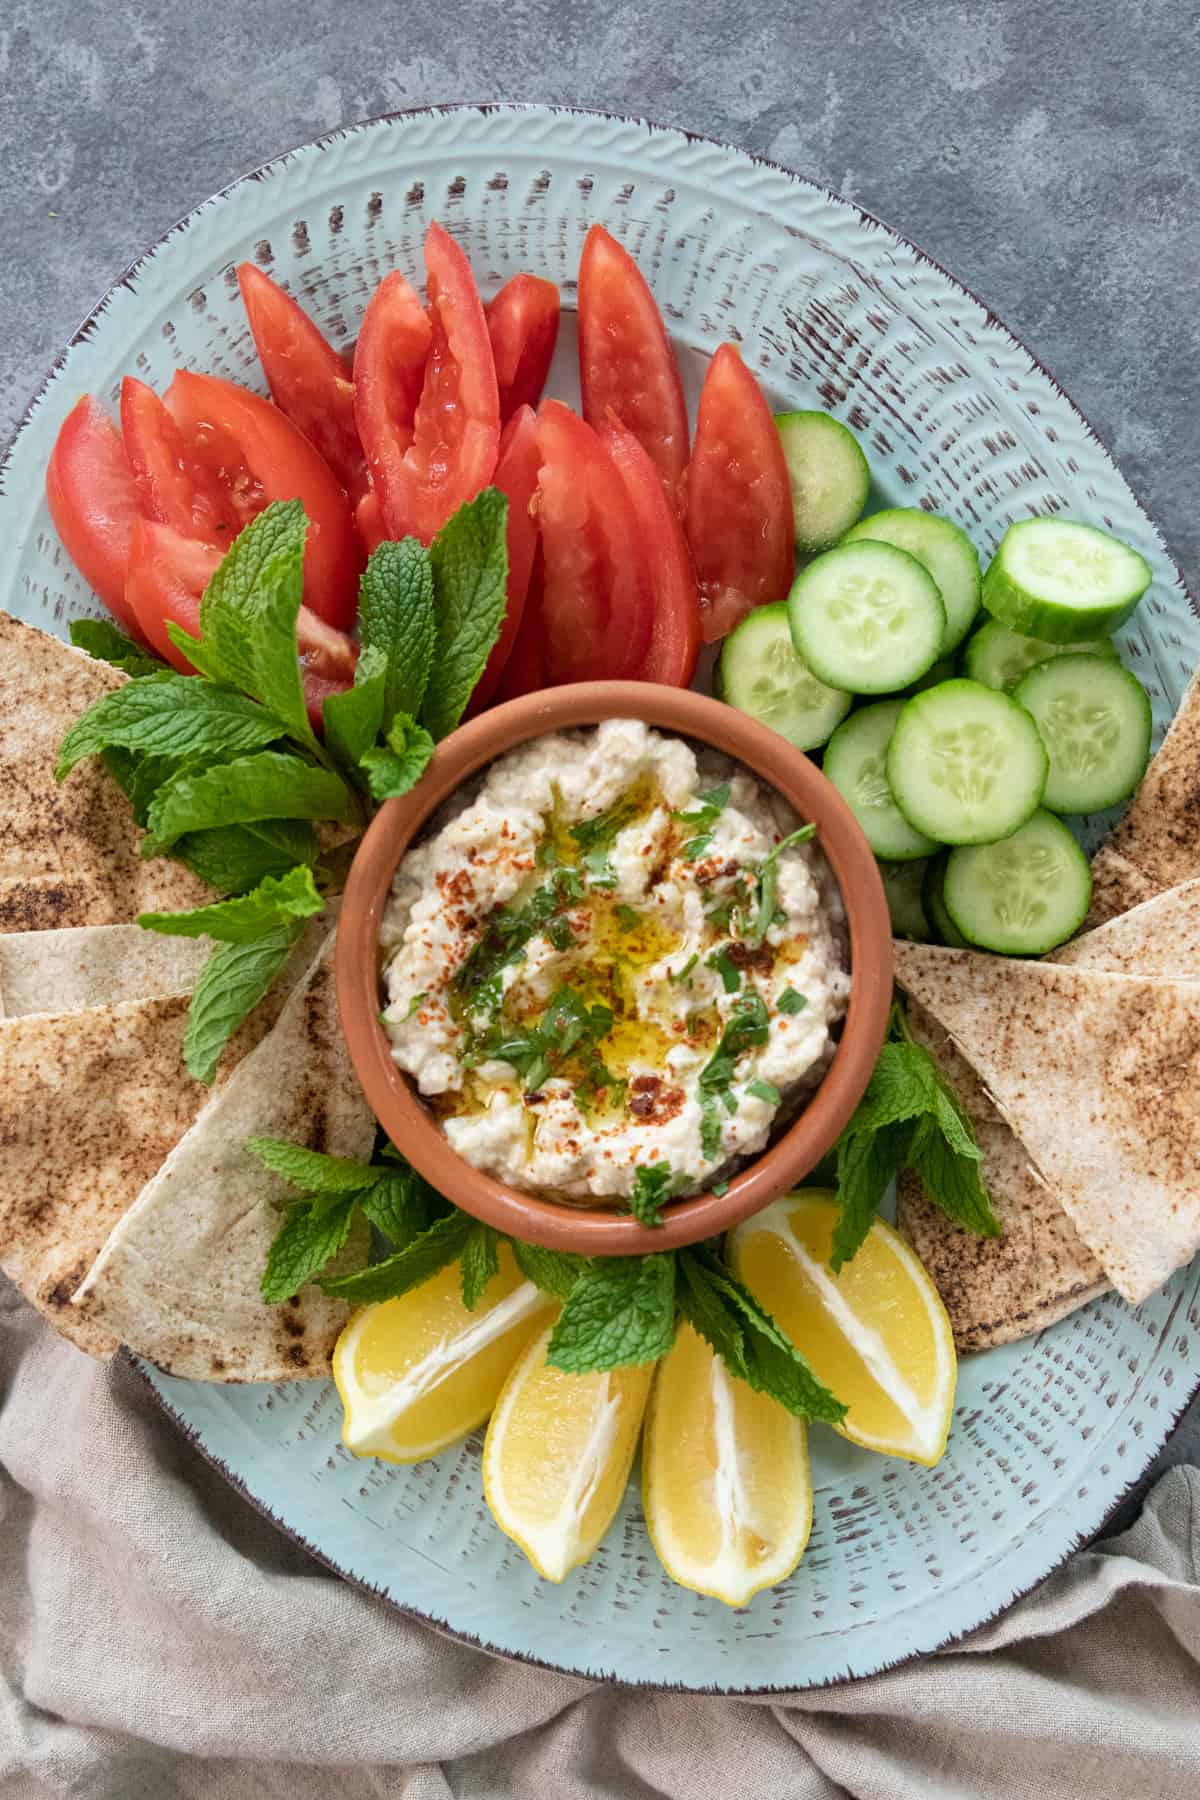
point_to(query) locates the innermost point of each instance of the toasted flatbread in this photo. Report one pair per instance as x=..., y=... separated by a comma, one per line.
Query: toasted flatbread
x=1159, y=937
x=91, y=1101
x=996, y=1289
x=178, y=1280
x=69, y=853
x=93, y=965
x=1098, y=1074
x=1156, y=845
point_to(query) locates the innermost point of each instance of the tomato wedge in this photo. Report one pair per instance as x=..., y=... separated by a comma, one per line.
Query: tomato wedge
x=527, y=671
x=432, y=444
x=254, y=454
x=168, y=573
x=626, y=363
x=309, y=380
x=517, y=477
x=94, y=503
x=739, y=499
x=522, y=324
x=596, y=603
x=675, y=630
x=174, y=487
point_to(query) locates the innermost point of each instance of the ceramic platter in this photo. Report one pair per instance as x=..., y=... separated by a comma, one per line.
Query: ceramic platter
x=833, y=310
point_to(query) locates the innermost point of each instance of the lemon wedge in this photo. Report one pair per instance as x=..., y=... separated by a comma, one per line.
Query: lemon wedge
x=557, y=1456
x=876, y=1333
x=419, y=1372
x=725, y=1482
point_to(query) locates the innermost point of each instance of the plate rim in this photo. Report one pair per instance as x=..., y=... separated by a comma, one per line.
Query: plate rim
x=1167, y=1418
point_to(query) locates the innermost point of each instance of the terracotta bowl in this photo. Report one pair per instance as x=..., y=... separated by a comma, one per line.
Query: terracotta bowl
x=601, y=1231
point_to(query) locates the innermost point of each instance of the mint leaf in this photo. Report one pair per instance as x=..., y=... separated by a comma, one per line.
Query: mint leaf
x=866, y=1162
x=396, y=619
x=726, y=968
x=167, y=715
x=651, y=1183
x=903, y=1085
x=269, y=785
x=952, y=1180
x=397, y=769
x=248, y=616
x=469, y=560
x=104, y=643
x=401, y=1205
x=620, y=1313
x=480, y=1262
x=408, y=1268
x=235, y=858
x=708, y=810
x=230, y=986
x=791, y=1002
x=554, y=1271
x=353, y=720
x=272, y=903
x=304, y=1243
x=310, y=1169
x=753, y=1347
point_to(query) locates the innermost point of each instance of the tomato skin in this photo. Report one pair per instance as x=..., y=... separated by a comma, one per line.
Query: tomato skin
x=172, y=486
x=527, y=671
x=368, y=520
x=739, y=499
x=94, y=503
x=517, y=477
x=675, y=630
x=431, y=443
x=255, y=455
x=168, y=573
x=596, y=602
x=626, y=362
x=309, y=380
x=522, y=322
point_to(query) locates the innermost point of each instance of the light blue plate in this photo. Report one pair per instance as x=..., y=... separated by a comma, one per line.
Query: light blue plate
x=833, y=310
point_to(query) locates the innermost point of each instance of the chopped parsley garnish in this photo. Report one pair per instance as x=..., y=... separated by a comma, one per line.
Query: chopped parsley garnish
x=651, y=1186
x=568, y=1031
x=731, y=975
x=689, y=965
x=415, y=1004
x=627, y=918
x=748, y=1026
x=765, y=1090
x=596, y=838
x=708, y=810
x=509, y=930
x=790, y=1001
x=720, y=1188
x=766, y=910
x=559, y=932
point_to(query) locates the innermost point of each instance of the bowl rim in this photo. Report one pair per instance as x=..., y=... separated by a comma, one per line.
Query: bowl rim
x=604, y=1231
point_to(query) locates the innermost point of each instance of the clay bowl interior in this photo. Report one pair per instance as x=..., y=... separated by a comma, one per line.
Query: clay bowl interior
x=601, y=1231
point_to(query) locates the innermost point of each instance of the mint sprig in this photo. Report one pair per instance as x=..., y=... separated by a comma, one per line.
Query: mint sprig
x=620, y=1313
x=275, y=902
x=101, y=640
x=468, y=562
x=909, y=1117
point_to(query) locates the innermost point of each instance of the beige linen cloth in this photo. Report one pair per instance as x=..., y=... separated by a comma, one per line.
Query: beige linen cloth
x=158, y=1639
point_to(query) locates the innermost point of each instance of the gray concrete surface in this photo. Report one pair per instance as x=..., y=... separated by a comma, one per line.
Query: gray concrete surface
x=1044, y=150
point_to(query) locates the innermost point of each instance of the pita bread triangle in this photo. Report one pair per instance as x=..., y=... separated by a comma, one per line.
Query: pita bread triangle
x=69, y=852
x=1156, y=845
x=178, y=1279
x=1098, y=1075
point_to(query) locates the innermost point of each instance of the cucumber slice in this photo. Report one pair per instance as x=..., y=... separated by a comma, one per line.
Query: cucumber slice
x=1094, y=719
x=866, y=617
x=999, y=657
x=760, y=673
x=1021, y=896
x=829, y=474
x=856, y=763
x=966, y=764
x=945, y=930
x=945, y=550
x=1065, y=582
x=902, y=883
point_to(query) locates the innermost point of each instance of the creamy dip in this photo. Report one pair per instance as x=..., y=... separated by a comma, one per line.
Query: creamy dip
x=607, y=968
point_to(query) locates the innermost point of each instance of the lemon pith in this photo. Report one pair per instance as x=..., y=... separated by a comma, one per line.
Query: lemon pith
x=876, y=1333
